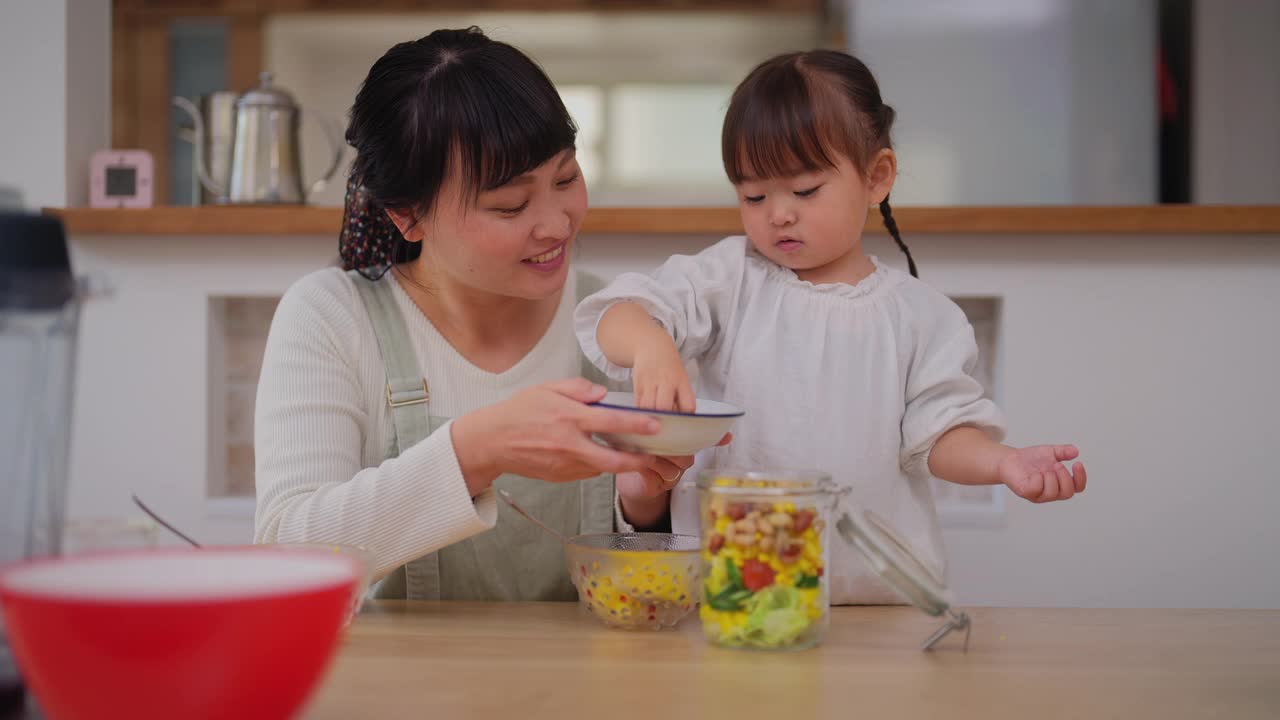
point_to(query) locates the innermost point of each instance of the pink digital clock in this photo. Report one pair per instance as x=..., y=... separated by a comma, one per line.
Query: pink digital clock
x=121, y=179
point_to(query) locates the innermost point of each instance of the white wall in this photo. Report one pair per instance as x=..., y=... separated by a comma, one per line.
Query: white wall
x=1155, y=355
x=1010, y=102
x=1158, y=358
x=88, y=92
x=1236, y=99
x=33, y=64
x=55, y=75
x=142, y=399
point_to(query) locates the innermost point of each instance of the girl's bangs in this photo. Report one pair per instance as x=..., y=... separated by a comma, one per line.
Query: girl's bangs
x=784, y=123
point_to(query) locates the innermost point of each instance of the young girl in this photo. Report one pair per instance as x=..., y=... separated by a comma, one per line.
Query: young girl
x=843, y=364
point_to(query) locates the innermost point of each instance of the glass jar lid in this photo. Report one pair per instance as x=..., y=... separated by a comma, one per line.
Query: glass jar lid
x=884, y=551
x=756, y=483
x=890, y=557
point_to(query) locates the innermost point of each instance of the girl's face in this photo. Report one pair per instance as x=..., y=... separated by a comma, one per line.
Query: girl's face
x=514, y=240
x=812, y=222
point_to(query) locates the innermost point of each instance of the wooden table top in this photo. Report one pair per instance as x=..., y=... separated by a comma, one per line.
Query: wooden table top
x=548, y=660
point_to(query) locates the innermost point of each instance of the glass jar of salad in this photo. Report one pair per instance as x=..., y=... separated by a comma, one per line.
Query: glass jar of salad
x=764, y=558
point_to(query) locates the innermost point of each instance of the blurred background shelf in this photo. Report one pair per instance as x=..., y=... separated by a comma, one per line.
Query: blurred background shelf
x=1048, y=220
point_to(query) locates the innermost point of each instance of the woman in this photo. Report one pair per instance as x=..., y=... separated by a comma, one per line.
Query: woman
x=396, y=396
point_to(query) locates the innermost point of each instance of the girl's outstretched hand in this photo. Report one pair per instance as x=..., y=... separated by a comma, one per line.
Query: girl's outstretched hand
x=1039, y=473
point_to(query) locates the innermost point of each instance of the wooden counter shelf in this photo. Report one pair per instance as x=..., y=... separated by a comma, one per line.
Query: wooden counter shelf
x=1048, y=220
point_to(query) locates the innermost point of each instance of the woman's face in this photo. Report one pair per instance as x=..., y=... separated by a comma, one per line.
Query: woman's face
x=514, y=240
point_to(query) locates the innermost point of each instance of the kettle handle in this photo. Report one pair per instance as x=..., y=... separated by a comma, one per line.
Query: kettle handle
x=198, y=142
x=332, y=133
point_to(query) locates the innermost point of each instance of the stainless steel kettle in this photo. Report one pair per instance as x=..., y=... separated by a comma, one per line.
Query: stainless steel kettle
x=266, y=165
x=218, y=112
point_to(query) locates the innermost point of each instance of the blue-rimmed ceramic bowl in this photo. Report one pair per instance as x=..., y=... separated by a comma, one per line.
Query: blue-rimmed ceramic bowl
x=681, y=433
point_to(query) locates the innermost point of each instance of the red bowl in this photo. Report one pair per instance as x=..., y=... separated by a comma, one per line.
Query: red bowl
x=217, y=632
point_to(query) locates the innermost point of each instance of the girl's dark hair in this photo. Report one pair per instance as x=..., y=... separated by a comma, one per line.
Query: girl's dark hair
x=793, y=110
x=454, y=96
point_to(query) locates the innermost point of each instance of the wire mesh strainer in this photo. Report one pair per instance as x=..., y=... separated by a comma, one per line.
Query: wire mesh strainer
x=635, y=581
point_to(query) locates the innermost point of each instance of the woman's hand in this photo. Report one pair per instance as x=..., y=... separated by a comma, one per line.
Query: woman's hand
x=644, y=495
x=655, y=480
x=545, y=432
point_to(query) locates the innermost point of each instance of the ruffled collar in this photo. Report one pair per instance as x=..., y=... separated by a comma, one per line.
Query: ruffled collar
x=864, y=287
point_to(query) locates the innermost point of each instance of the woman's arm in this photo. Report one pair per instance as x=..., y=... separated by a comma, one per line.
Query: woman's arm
x=310, y=431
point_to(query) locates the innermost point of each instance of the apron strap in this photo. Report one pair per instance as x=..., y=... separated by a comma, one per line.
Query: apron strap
x=588, y=284
x=597, y=493
x=408, y=397
x=407, y=393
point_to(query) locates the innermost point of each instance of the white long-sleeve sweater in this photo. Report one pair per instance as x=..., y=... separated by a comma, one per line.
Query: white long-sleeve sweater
x=322, y=425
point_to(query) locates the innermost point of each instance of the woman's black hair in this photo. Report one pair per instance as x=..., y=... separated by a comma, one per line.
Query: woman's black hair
x=454, y=97
x=792, y=109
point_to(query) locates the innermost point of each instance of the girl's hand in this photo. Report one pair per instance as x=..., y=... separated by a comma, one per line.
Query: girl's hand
x=658, y=375
x=1039, y=473
x=545, y=432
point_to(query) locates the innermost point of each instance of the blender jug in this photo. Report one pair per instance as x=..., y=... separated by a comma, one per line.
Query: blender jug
x=39, y=314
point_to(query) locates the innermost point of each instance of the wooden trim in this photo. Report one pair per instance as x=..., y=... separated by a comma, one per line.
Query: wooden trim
x=152, y=99
x=1070, y=220
x=124, y=87
x=1060, y=220
x=244, y=52
x=207, y=220
x=206, y=8
x=690, y=220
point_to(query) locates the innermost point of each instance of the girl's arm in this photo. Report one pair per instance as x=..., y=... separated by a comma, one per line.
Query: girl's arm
x=645, y=327
x=968, y=456
x=952, y=431
x=630, y=338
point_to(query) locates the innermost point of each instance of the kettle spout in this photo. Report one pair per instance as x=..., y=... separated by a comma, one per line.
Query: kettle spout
x=209, y=183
